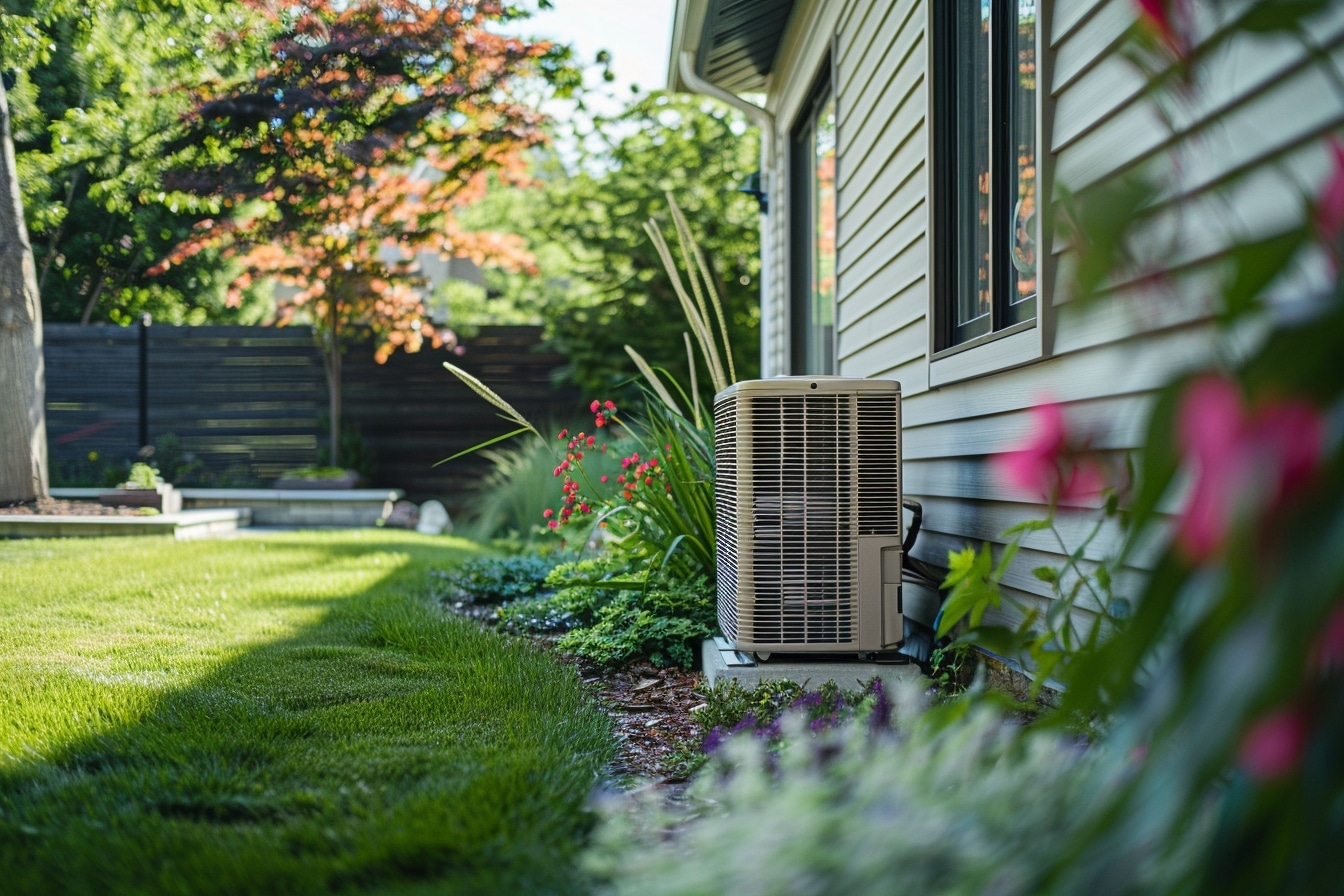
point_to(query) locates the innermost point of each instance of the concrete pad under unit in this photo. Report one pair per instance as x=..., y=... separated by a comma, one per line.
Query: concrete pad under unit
x=720, y=662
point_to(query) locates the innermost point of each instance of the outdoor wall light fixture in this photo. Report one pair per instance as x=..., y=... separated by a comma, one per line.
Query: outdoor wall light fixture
x=752, y=187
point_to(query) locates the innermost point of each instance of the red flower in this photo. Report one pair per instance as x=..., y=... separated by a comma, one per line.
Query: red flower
x=554, y=524
x=1273, y=746
x=1329, y=213
x=595, y=405
x=548, y=513
x=1246, y=460
x=1048, y=465
x=602, y=478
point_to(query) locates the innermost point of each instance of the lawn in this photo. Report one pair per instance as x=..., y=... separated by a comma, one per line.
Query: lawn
x=281, y=713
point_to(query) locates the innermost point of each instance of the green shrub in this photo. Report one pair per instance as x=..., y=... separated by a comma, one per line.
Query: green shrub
x=617, y=621
x=492, y=580
x=664, y=623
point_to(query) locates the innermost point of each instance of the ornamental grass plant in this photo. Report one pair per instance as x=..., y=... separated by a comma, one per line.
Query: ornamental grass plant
x=280, y=713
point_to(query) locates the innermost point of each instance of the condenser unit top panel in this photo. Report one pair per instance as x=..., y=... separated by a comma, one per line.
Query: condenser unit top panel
x=803, y=385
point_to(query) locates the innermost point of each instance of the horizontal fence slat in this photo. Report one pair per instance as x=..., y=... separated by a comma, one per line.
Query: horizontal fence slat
x=250, y=402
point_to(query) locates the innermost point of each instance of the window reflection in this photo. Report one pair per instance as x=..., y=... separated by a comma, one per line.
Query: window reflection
x=823, y=242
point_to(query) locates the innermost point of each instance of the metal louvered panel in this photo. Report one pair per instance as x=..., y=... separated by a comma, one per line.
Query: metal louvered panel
x=879, y=474
x=725, y=513
x=808, y=469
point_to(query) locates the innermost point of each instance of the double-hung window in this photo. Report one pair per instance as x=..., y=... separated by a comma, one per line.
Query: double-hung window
x=983, y=171
x=812, y=219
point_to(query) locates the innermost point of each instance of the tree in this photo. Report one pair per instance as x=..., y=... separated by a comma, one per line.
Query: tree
x=347, y=151
x=90, y=115
x=23, y=429
x=601, y=281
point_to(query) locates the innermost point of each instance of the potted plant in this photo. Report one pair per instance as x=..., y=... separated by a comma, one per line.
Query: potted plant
x=144, y=487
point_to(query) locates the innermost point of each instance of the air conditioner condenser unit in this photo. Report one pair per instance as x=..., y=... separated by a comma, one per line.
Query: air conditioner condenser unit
x=808, y=514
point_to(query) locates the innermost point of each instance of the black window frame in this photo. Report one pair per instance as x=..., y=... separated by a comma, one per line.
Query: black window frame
x=952, y=184
x=803, y=327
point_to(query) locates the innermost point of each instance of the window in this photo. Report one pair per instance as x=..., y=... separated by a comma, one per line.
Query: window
x=984, y=170
x=812, y=233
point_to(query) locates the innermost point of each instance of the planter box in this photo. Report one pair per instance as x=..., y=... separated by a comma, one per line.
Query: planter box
x=163, y=498
x=349, y=480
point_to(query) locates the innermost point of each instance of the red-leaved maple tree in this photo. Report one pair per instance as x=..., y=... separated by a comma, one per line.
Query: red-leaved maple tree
x=365, y=124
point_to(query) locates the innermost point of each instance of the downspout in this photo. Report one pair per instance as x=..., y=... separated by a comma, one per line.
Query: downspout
x=766, y=122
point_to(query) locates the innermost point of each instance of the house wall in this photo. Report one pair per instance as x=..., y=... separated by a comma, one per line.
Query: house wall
x=1263, y=116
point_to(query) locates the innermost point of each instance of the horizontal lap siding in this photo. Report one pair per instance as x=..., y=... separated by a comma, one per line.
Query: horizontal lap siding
x=881, y=206
x=1254, y=148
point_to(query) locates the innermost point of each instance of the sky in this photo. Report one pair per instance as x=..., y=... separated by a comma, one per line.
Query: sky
x=637, y=33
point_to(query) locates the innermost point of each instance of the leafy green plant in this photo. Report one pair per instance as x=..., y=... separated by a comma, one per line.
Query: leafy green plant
x=953, y=666
x=1083, y=609
x=577, y=590
x=664, y=622
x=142, y=475
x=492, y=580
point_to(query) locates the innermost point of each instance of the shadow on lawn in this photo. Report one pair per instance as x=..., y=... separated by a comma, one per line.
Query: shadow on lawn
x=382, y=747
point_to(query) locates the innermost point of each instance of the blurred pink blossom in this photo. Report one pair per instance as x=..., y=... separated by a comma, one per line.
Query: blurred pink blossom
x=1246, y=460
x=1171, y=20
x=1329, y=213
x=1273, y=745
x=1049, y=464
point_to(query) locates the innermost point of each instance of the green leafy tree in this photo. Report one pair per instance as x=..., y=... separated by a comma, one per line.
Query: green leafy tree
x=600, y=281
x=91, y=112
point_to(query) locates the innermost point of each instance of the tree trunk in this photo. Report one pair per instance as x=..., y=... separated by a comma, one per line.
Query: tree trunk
x=332, y=359
x=23, y=425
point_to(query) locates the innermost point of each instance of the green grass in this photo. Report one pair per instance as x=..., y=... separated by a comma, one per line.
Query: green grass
x=286, y=713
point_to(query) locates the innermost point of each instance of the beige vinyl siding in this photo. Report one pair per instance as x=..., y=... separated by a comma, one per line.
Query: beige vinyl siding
x=1255, y=135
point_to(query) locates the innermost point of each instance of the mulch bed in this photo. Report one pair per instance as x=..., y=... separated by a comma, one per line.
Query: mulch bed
x=650, y=709
x=59, y=507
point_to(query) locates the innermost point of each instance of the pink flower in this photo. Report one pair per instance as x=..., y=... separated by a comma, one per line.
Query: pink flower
x=1171, y=21
x=554, y=524
x=1048, y=465
x=1329, y=214
x=547, y=513
x=603, y=478
x=1273, y=745
x=595, y=405
x=1246, y=460
x=610, y=405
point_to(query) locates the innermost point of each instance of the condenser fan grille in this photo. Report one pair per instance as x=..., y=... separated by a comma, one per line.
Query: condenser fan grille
x=803, y=553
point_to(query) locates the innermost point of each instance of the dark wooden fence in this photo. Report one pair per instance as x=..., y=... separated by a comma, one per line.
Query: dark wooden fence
x=249, y=402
